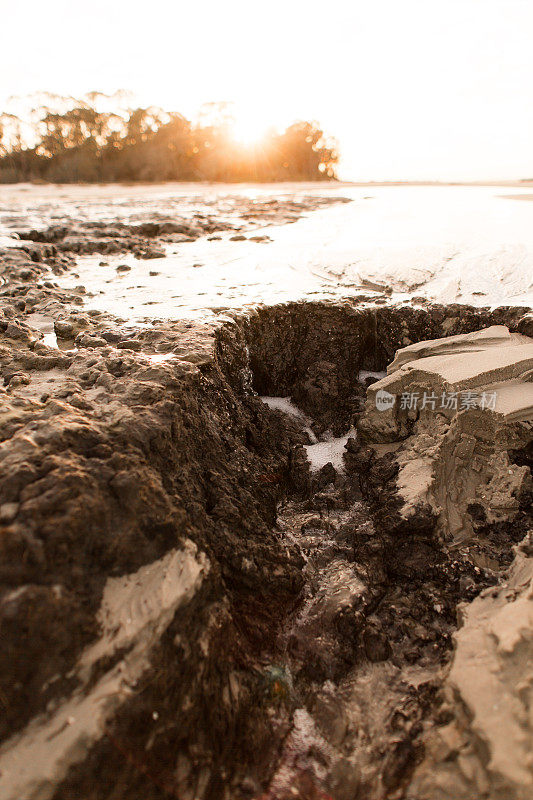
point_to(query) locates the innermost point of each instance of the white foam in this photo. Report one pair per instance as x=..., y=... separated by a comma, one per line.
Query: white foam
x=364, y=374
x=159, y=358
x=50, y=339
x=284, y=404
x=331, y=450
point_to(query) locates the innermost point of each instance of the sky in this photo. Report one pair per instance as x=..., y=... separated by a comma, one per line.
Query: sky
x=411, y=89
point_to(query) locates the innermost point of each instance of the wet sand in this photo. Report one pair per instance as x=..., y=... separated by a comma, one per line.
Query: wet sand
x=446, y=244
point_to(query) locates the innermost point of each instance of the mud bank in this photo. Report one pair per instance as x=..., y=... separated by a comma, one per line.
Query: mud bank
x=149, y=236
x=188, y=610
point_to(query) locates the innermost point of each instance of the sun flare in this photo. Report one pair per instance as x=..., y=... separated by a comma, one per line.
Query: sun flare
x=249, y=129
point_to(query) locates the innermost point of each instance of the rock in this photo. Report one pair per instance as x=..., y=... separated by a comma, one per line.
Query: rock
x=89, y=340
x=112, y=336
x=64, y=329
x=525, y=325
x=150, y=252
x=19, y=380
x=19, y=331
x=352, y=445
x=128, y=344
x=326, y=475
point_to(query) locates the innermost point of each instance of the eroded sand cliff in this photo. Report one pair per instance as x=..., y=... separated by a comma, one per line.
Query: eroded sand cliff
x=190, y=610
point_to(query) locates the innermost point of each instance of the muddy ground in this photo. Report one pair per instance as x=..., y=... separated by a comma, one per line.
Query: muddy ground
x=147, y=237
x=284, y=637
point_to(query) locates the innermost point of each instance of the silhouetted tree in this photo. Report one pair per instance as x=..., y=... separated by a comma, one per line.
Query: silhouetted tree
x=69, y=140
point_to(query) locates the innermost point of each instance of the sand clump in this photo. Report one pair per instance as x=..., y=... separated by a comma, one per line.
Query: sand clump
x=461, y=408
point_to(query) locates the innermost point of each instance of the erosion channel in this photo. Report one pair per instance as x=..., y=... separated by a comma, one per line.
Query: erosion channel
x=226, y=573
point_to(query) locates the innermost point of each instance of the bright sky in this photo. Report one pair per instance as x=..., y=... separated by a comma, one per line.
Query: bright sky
x=412, y=89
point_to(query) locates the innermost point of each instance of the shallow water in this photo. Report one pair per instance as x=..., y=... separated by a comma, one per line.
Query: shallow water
x=468, y=244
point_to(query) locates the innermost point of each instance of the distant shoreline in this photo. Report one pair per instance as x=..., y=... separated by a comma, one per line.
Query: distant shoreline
x=517, y=183
x=326, y=183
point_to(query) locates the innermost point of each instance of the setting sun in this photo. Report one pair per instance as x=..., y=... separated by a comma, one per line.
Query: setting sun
x=249, y=130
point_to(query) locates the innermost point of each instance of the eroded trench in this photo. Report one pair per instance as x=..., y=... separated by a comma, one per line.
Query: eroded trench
x=361, y=657
x=311, y=661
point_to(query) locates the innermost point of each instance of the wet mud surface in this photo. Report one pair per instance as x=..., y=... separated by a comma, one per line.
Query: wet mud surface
x=149, y=238
x=195, y=603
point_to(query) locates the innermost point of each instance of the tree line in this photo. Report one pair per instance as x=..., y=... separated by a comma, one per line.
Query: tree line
x=79, y=141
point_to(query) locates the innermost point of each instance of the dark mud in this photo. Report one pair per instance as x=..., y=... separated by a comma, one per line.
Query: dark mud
x=310, y=660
